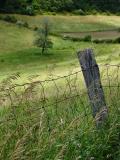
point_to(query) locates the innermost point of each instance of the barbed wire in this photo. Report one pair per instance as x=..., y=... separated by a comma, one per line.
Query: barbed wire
x=41, y=112
x=49, y=95
x=61, y=77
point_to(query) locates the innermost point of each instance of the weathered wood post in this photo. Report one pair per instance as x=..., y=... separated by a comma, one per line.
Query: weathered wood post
x=91, y=75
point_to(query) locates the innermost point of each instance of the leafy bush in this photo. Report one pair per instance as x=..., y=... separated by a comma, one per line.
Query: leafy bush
x=30, y=10
x=44, y=44
x=53, y=13
x=2, y=60
x=92, y=12
x=43, y=41
x=118, y=29
x=97, y=41
x=87, y=38
x=79, y=12
x=35, y=28
x=103, y=41
x=1, y=17
x=118, y=13
x=108, y=13
x=8, y=18
x=22, y=24
x=117, y=40
x=74, y=39
x=26, y=25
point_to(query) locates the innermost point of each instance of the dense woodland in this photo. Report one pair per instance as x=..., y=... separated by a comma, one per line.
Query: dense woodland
x=31, y=7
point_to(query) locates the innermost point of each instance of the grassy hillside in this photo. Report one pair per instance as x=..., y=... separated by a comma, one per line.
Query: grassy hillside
x=75, y=23
x=52, y=120
x=13, y=38
x=18, y=53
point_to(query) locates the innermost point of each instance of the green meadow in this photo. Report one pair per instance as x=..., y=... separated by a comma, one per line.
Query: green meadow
x=52, y=119
x=19, y=54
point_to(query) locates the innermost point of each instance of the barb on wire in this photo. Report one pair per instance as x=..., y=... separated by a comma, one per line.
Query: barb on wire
x=49, y=94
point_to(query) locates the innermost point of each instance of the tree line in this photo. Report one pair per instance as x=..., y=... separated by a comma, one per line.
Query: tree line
x=30, y=7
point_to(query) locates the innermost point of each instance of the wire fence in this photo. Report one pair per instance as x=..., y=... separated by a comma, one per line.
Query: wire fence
x=58, y=97
x=42, y=115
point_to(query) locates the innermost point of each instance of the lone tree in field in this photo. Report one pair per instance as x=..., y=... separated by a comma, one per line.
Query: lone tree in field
x=43, y=41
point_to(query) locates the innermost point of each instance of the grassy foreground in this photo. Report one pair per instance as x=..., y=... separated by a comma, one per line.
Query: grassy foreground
x=58, y=127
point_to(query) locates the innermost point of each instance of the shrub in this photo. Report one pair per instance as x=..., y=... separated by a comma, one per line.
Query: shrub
x=30, y=11
x=44, y=44
x=2, y=60
x=87, y=38
x=43, y=41
x=79, y=12
x=117, y=14
x=65, y=37
x=74, y=39
x=22, y=24
x=19, y=23
x=96, y=41
x=92, y=12
x=104, y=41
x=1, y=17
x=35, y=28
x=8, y=18
x=117, y=40
x=108, y=13
x=108, y=40
x=118, y=29
x=26, y=25
x=53, y=13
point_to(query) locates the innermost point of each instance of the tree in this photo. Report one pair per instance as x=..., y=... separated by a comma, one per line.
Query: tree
x=30, y=7
x=43, y=41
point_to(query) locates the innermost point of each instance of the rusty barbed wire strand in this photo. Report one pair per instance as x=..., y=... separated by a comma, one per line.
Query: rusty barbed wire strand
x=54, y=91
x=61, y=77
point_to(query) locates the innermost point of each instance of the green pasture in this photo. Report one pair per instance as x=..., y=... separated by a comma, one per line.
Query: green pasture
x=19, y=54
x=41, y=121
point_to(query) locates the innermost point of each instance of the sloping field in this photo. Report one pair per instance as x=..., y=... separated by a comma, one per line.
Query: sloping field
x=52, y=119
x=19, y=54
x=13, y=38
x=74, y=23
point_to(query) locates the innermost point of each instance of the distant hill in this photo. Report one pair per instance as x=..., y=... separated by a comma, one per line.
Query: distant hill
x=31, y=7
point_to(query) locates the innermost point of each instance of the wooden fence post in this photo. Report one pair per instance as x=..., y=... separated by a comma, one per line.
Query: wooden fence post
x=91, y=75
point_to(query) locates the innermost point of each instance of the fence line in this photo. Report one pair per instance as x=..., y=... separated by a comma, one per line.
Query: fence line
x=60, y=77
x=67, y=91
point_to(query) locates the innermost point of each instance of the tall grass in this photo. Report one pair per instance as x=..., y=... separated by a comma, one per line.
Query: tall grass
x=45, y=123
